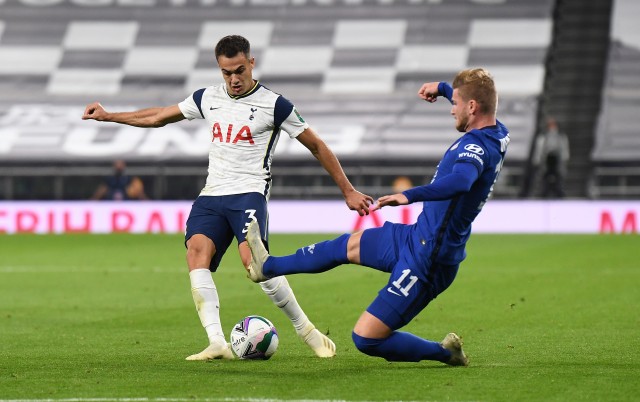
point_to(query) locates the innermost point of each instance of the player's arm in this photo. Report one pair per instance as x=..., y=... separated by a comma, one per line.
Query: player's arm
x=431, y=90
x=151, y=117
x=459, y=181
x=355, y=200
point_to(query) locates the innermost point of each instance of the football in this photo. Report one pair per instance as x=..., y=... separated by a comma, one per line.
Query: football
x=254, y=337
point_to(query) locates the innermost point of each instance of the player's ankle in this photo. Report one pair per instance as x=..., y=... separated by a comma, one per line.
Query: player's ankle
x=303, y=328
x=217, y=339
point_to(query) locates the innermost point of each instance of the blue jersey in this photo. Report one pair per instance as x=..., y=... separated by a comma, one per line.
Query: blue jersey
x=447, y=214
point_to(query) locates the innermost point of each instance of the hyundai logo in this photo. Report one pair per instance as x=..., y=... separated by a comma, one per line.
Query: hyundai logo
x=476, y=149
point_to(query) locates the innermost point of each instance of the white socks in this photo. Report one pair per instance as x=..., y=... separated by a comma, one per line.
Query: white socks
x=281, y=295
x=205, y=296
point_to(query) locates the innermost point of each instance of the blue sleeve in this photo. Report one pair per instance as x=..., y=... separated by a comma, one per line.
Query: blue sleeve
x=197, y=98
x=445, y=90
x=460, y=180
x=282, y=110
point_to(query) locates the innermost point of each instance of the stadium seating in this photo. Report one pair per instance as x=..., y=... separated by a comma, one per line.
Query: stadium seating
x=617, y=146
x=352, y=69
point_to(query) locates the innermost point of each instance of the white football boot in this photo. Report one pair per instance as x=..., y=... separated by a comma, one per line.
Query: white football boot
x=216, y=350
x=259, y=253
x=321, y=345
x=453, y=344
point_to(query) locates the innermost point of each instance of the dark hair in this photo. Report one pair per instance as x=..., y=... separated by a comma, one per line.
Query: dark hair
x=231, y=45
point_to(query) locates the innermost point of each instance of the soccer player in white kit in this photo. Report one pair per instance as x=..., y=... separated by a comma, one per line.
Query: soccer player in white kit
x=246, y=119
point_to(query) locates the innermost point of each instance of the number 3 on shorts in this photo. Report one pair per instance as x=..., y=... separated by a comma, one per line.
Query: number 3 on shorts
x=251, y=215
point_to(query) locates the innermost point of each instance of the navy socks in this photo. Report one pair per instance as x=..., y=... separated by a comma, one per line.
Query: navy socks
x=402, y=347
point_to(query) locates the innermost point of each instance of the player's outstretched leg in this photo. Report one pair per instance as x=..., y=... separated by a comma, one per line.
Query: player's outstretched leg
x=312, y=259
x=453, y=344
x=280, y=292
x=282, y=295
x=259, y=253
x=215, y=350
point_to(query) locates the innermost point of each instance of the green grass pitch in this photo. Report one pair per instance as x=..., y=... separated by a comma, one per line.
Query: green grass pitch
x=543, y=318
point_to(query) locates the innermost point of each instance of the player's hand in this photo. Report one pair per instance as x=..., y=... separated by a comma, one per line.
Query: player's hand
x=391, y=200
x=429, y=91
x=356, y=201
x=94, y=111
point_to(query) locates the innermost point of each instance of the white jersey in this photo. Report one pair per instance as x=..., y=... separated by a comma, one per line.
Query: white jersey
x=244, y=133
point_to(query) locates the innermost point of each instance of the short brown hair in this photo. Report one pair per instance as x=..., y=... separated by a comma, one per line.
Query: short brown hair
x=477, y=84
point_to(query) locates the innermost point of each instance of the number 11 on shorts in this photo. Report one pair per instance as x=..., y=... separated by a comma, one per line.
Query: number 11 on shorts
x=398, y=282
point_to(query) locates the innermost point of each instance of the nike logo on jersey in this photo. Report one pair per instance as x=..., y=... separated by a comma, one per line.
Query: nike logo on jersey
x=392, y=290
x=454, y=146
x=214, y=108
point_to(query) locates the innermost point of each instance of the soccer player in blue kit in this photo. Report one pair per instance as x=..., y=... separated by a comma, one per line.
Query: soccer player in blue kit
x=245, y=120
x=423, y=258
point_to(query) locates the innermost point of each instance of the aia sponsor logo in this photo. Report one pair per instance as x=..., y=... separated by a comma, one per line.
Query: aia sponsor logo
x=231, y=135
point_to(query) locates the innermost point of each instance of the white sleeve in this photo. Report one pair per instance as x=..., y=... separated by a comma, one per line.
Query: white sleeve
x=191, y=107
x=294, y=124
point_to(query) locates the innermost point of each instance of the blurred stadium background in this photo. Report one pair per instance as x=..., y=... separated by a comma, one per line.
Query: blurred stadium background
x=352, y=67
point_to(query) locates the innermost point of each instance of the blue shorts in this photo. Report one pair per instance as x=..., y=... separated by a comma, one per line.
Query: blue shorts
x=414, y=280
x=221, y=218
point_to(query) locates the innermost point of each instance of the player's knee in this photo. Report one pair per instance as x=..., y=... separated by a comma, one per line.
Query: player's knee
x=368, y=346
x=194, y=253
x=200, y=250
